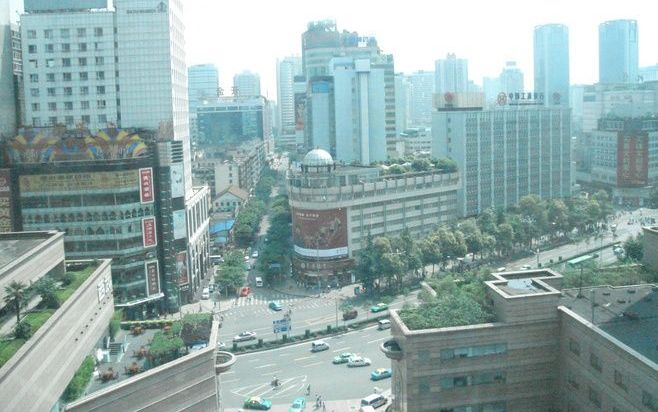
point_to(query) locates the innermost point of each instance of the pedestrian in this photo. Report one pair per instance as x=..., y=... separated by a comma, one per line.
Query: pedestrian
x=324, y=407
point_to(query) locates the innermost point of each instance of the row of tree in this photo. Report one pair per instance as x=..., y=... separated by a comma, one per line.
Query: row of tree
x=387, y=260
x=275, y=255
x=249, y=218
x=414, y=165
x=231, y=272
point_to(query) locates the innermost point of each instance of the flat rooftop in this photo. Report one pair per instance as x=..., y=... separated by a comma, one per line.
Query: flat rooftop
x=628, y=313
x=16, y=244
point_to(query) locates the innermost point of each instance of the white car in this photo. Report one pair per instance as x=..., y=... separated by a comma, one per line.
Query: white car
x=255, y=254
x=526, y=267
x=244, y=336
x=356, y=361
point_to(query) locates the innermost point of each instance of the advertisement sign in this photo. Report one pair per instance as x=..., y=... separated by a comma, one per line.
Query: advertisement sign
x=177, y=182
x=180, y=229
x=149, y=237
x=146, y=185
x=524, y=99
x=6, y=218
x=76, y=182
x=152, y=277
x=181, y=268
x=632, y=160
x=320, y=233
x=281, y=325
x=300, y=110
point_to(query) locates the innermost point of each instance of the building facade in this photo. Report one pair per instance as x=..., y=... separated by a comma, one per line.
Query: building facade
x=11, y=82
x=421, y=90
x=286, y=70
x=505, y=153
x=233, y=120
x=551, y=63
x=650, y=242
x=451, y=75
x=336, y=208
x=203, y=84
x=618, y=52
x=546, y=349
x=246, y=84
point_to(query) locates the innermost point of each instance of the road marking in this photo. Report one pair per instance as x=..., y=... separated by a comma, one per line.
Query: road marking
x=271, y=372
x=229, y=381
x=312, y=364
x=253, y=360
x=341, y=349
x=305, y=357
x=265, y=366
x=377, y=340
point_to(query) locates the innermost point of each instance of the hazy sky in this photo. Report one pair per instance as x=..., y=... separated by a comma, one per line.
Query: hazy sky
x=251, y=34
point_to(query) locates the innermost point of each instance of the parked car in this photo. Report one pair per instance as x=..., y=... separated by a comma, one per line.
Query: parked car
x=319, y=345
x=245, y=291
x=298, y=405
x=381, y=373
x=342, y=358
x=350, y=314
x=383, y=324
x=378, y=307
x=256, y=402
x=356, y=361
x=255, y=254
x=275, y=306
x=244, y=336
x=205, y=294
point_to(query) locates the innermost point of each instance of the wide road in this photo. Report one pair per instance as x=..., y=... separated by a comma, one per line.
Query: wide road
x=296, y=367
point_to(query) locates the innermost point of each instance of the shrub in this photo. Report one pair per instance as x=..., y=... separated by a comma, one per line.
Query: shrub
x=79, y=382
x=23, y=331
x=67, y=278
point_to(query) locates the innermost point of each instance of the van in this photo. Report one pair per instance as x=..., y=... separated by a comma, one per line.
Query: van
x=384, y=324
x=205, y=294
x=375, y=400
x=319, y=345
x=259, y=282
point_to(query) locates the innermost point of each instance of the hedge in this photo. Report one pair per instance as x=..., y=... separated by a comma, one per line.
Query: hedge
x=78, y=384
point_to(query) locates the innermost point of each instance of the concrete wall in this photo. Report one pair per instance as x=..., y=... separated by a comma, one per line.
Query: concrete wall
x=185, y=384
x=650, y=242
x=35, y=377
x=30, y=267
x=578, y=376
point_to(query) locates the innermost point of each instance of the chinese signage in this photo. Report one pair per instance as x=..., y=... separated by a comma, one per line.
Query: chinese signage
x=281, y=325
x=104, y=288
x=632, y=159
x=148, y=232
x=521, y=99
x=6, y=218
x=180, y=229
x=181, y=268
x=320, y=233
x=177, y=183
x=300, y=110
x=152, y=277
x=75, y=182
x=146, y=185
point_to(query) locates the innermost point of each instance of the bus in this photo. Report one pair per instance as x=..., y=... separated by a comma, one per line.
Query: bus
x=581, y=260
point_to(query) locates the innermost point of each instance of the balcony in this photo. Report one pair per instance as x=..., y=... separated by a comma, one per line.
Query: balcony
x=223, y=361
x=391, y=349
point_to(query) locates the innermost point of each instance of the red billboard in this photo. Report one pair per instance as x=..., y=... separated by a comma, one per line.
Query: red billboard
x=146, y=185
x=300, y=110
x=152, y=278
x=181, y=268
x=320, y=233
x=632, y=159
x=6, y=217
x=148, y=232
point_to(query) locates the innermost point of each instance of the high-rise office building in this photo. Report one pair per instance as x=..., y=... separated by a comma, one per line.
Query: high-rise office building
x=203, y=84
x=505, y=153
x=10, y=69
x=649, y=73
x=402, y=94
x=451, y=75
x=246, y=84
x=618, y=51
x=511, y=78
x=286, y=70
x=551, y=58
x=421, y=90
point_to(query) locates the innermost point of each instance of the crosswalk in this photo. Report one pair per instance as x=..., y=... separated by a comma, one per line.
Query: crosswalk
x=260, y=303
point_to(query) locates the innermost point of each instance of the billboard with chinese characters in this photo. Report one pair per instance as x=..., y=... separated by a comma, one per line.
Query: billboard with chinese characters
x=76, y=182
x=146, y=185
x=300, y=110
x=180, y=229
x=149, y=235
x=177, y=180
x=632, y=159
x=152, y=277
x=320, y=233
x=181, y=268
x=6, y=217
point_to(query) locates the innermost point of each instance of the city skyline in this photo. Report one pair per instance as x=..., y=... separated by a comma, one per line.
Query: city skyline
x=459, y=30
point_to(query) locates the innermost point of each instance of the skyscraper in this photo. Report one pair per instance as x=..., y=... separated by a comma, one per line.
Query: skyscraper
x=402, y=89
x=286, y=70
x=421, y=89
x=246, y=84
x=511, y=78
x=203, y=83
x=551, y=50
x=10, y=69
x=451, y=75
x=618, y=51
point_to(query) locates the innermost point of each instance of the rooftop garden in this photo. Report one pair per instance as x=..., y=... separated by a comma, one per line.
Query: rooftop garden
x=413, y=165
x=460, y=300
x=53, y=291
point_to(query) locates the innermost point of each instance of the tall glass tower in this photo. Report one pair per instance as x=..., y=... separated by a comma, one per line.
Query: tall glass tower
x=551, y=49
x=618, y=51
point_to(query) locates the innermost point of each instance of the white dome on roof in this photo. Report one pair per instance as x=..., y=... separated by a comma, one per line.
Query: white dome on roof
x=318, y=157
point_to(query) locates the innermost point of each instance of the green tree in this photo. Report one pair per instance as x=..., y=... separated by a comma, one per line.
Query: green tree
x=505, y=238
x=486, y=221
x=46, y=288
x=634, y=248
x=558, y=215
x=421, y=165
x=15, y=297
x=430, y=252
x=365, y=265
x=230, y=278
x=472, y=236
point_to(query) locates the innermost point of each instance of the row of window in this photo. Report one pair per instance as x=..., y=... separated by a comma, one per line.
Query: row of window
x=66, y=62
x=66, y=77
x=474, y=351
x=471, y=380
x=68, y=91
x=64, y=33
x=64, y=47
x=84, y=105
x=88, y=217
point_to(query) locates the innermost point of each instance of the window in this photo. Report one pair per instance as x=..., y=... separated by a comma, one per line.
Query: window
x=423, y=386
x=50, y=48
x=86, y=119
x=66, y=62
x=50, y=63
x=36, y=122
x=573, y=382
x=649, y=401
x=52, y=120
x=102, y=118
x=84, y=76
x=64, y=33
x=84, y=104
x=474, y=351
x=34, y=78
x=52, y=106
x=68, y=91
x=97, y=46
x=48, y=34
x=82, y=32
x=595, y=362
x=34, y=64
x=66, y=47
x=51, y=91
x=84, y=90
x=595, y=397
x=68, y=120
x=32, y=48
x=98, y=31
x=35, y=107
x=66, y=77
x=574, y=346
x=34, y=92
x=100, y=61
x=100, y=89
x=68, y=105
x=100, y=104
x=82, y=47
x=100, y=75
x=82, y=61
x=31, y=34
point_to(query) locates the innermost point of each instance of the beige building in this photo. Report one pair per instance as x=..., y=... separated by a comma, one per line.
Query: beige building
x=546, y=350
x=230, y=200
x=335, y=208
x=650, y=242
